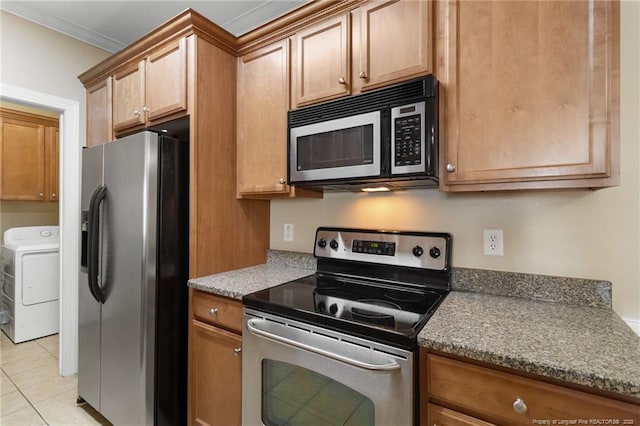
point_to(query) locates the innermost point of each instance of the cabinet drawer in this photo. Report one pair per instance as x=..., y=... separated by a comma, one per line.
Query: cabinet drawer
x=492, y=395
x=217, y=310
x=440, y=416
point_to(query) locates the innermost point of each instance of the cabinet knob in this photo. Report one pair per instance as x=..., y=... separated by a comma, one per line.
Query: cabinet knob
x=53, y=195
x=236, y=351
x=41, y=195
x=213, y=311
x=136, y=113
x=281, y=181
x=362, y=74
x=341, y=80
x=145, y=109
x=519, y=406
x=451, y=168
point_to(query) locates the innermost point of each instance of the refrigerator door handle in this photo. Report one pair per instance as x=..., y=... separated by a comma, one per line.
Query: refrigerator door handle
x=93, y=243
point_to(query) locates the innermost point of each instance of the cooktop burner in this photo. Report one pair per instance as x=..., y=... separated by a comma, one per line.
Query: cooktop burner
x=379, y=296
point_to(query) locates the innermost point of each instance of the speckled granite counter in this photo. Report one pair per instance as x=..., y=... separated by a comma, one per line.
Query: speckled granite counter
x=281, y=267
x=577, y=338
x=578, y=344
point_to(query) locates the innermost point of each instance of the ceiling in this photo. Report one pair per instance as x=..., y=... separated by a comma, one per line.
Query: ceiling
x=113, y=25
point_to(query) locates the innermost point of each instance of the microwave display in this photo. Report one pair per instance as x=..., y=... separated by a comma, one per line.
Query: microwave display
x=351, y=146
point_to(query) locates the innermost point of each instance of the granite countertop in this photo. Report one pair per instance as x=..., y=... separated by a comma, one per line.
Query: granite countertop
x=563, y=328
x=578, y=344
x=280, y=268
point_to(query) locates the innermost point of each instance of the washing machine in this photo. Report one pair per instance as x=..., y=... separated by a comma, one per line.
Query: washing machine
x=29, y=300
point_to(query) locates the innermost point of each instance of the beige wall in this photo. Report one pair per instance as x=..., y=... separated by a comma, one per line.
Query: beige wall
x=36, y=58
x=27, y=213
x=589, y=234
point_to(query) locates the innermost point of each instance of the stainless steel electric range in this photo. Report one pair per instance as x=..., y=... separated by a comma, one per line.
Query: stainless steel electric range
x=339, y=346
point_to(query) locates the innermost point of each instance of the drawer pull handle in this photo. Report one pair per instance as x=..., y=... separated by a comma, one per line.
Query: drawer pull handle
x=519, y=406
x=213, y=311
x=236, y=351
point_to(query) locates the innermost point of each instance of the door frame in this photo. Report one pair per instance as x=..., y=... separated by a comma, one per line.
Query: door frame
x=69, y=212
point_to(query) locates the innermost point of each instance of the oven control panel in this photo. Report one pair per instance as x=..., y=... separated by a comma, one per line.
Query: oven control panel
x=426, y=250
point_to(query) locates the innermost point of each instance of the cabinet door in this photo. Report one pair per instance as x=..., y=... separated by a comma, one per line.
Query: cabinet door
x=531, y=93
x=99, y=114
x=321, y=61
x=216, y=379
x=395, y=42
x=22, y=155
x=441, y=416
x=263, y=93
x=52, y=165
x=166, y=81
x=128, y=97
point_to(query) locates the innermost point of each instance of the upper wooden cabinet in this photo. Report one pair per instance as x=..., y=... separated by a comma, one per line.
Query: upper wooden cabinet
x=379, y=43
x=151, y=90
x=263, y=94
x=263, y=102
x=322, y=61
x=530, y=94
x=28, y=156
x=99, y=113
x=395, y=42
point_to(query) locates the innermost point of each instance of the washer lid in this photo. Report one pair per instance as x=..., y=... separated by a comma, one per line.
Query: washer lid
x=32, y=238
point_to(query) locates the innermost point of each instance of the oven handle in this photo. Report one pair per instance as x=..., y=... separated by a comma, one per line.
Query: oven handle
x=383, y=368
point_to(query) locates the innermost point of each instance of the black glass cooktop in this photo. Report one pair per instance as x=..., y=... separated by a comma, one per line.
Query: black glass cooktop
x=385, y=312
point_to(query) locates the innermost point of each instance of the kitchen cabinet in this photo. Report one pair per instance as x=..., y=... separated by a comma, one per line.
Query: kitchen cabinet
x=184, y=73
x=263, y=102
x=151, y=90
x=377, y=44
x=99, y=112
x=29, y=156
x=530, y=94
x=453, y=391
x=216, y=360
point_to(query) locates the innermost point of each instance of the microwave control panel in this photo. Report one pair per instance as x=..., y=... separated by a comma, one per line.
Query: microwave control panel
x=408, y=138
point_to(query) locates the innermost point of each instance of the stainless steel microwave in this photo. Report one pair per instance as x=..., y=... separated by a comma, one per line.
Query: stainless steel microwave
x=386, y=138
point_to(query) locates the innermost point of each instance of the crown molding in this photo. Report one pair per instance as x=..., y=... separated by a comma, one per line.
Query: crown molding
x=61, y=25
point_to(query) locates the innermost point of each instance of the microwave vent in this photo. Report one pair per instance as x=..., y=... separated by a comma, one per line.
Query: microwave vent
x=389, y=96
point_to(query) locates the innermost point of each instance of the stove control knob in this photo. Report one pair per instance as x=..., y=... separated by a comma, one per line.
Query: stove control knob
x=434, y=252
x=333, y=244
x=417, y=251
x=322, y=243
x=321, y=307
x=333, y=309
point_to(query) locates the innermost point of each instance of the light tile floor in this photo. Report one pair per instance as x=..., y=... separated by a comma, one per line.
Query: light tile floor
x=32, y=392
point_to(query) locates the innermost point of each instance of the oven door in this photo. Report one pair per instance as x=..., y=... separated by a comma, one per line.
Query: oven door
x=344, y=148
x=295, y=373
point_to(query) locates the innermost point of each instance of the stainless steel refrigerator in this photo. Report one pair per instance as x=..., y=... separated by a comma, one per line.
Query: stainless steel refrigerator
x=133, y=296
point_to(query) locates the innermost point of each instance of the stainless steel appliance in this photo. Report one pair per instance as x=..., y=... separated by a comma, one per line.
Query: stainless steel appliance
x=339, y=346
x=133, y=297
x=386, y=137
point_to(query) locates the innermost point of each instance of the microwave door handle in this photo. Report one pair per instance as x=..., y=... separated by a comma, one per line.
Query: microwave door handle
x=378, y=368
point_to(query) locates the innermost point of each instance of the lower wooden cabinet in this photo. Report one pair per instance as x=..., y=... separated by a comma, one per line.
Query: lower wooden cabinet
x=453, y=391
x=28, y=156
x=215, y=370
x=440, y=416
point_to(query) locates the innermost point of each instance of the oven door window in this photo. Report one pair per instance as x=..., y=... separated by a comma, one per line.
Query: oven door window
x=343, y=148
x=294, y=395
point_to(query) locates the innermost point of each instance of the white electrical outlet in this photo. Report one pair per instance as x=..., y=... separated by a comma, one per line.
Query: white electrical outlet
x=493, y=242
x=288, y=232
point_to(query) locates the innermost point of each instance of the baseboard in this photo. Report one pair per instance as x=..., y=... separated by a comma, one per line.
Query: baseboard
x=634, y=324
